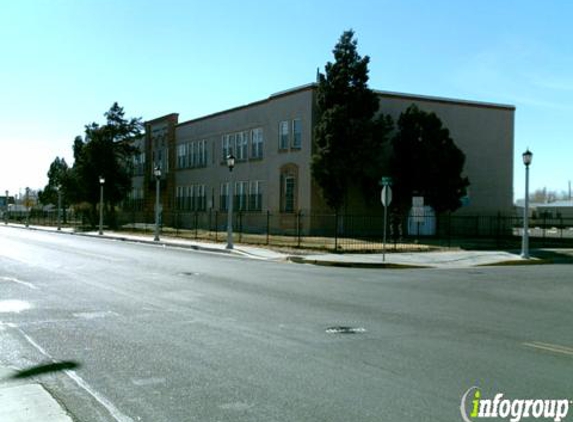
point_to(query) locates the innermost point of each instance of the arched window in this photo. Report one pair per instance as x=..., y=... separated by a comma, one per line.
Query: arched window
x=289, y=188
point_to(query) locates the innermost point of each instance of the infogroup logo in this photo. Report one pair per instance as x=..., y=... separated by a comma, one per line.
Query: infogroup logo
x=513, y=409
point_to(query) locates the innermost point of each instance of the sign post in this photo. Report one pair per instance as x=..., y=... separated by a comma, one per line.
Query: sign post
x=418, y=212
x=386, y=199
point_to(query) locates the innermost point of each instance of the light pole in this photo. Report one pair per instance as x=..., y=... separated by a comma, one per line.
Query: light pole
x=527, y=156
x=27, y=204
x=6, y=212
x=230, y=164
x=59, y=189
x=101, y=182
x=157, y=173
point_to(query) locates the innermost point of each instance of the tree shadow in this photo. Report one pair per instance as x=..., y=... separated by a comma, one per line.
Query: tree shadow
x=45, y=368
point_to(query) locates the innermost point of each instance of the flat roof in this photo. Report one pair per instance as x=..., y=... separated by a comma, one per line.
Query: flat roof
x=312, y=86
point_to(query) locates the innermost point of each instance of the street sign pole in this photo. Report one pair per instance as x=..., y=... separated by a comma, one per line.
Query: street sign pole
x=386, y=199
x=385, y=228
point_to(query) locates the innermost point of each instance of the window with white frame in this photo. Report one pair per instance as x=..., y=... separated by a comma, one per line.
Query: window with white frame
x=288, y=188
x=191, y=152
x=226, y=147
x=297, y=133
x=191, y=198
x=224, y=197
x=241, y=195
x=284, y=135
x=202, y=153
x=257, y=143
x=180, y=197
x=289, y=192
x=201, y=203
x=242, y=140
x=255, y=195
x=181, y=156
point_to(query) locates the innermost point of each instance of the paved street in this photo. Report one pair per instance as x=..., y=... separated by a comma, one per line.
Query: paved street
x=166, y=334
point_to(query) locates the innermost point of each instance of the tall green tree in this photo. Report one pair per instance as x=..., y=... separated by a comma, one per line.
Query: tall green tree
x=427, y=162
x=347, y=149
x=58, y=178
x=105, y=151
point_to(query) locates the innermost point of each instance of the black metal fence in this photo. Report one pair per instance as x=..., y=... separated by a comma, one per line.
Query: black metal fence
x=342, y=233
x=357, y=232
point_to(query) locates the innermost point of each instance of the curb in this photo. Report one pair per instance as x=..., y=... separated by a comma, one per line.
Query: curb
x=516, y=262
x=157, y=243
x=388, y=265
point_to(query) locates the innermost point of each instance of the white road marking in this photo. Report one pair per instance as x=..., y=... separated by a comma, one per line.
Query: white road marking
x=23, y=283
x=550, y=347
x=140, y=382
x=113, y=411
x=14, y=306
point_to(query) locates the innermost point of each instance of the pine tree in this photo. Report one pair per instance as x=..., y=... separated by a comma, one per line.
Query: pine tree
x=347, y=140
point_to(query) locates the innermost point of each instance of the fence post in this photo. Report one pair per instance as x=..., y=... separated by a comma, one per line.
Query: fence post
x=544, y=228
x=449, y=234
x=268, y=225
x=298, y=215
x=336, y=231
x=216, y=223
x=196, y=224
x=240, y=226
x=498, y=234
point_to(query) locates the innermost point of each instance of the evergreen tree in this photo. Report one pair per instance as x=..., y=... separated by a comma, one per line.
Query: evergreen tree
x=347, y=149
x=426, y=162
x=105, y=151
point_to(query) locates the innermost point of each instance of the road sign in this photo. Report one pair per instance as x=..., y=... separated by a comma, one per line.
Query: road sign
x=385, y=181
x=386, y=196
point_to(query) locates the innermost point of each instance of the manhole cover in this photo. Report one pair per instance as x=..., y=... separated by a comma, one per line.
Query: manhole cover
x=189, y=274
x=345, y=330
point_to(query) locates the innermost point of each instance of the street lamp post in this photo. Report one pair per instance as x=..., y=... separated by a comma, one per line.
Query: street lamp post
x=157, y=173
x=27, y=204
x=101, y=183
x=6, y=212
x=59, y=189
x=230, y=164
x=527, y=156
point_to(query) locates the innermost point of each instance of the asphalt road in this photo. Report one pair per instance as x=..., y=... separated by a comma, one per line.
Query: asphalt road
x=165, y=334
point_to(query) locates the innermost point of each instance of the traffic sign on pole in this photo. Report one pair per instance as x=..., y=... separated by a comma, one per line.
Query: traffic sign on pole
x=386, y=198
x=386, y=195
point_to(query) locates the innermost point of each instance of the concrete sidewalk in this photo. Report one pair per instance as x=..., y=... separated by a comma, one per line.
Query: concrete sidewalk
x=447, y=259
x=439, y=259
x=27, y=401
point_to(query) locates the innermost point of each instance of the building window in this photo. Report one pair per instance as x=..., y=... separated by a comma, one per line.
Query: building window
x=202, y=153
x=257, y=143
x=288, y=188
x=283, y=135
x=190, y=198
x=296, y=133
x=242, y=139
x=181, y=156
x=139, y=164
x=240, y=203
x=192, y=154
x=201, y=204
x=179, y=198
x=223, y=200
x=289, y=194
x=255, y=196
x=226, y=147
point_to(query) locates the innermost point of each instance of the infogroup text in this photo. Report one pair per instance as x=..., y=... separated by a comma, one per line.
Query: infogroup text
x=474, y=407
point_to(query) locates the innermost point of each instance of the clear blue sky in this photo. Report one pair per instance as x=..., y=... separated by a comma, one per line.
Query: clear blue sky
x=64, y=62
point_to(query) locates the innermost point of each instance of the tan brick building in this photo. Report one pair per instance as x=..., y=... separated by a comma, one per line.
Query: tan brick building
x=272, y=142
